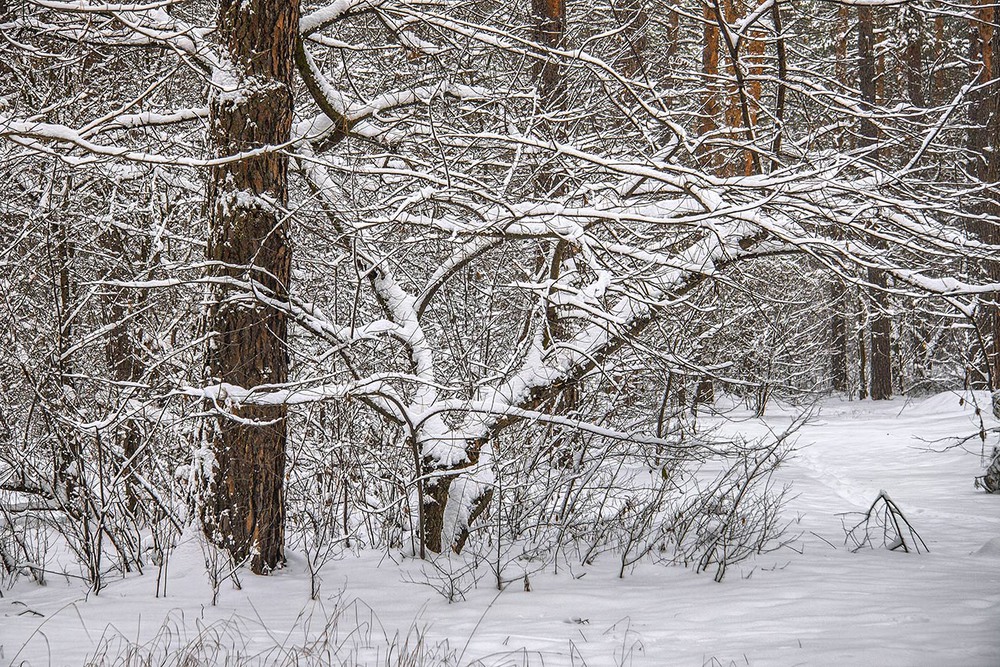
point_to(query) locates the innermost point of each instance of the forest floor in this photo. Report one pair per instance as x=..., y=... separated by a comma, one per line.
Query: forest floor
x=814, y=603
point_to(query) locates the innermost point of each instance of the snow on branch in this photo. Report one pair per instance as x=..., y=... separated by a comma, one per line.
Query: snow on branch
x=345, y=114
x=327, y=16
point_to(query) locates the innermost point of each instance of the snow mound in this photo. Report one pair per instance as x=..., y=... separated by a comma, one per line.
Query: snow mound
x=991, y=549
x=950, y=402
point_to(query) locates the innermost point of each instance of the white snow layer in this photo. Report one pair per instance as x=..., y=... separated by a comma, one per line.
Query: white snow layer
x=818, y=604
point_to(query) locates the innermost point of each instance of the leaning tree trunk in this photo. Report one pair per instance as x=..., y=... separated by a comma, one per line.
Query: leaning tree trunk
x=549, y=32
x=251, y=108
x=881, y=344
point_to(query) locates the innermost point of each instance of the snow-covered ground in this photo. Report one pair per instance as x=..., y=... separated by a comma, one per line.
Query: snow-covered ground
x=816, y=604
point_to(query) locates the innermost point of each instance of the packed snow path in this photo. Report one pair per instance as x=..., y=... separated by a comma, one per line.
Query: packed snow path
x=819, y=604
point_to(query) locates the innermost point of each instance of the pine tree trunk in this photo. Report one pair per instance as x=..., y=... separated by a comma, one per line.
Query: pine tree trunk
x=881, y=344
x=914, y=67
x=984, y=146
x=938, y=79
x=244, y=508
x=838, y=338
x=862, y=365
x=707, y=121
x=838, y=321
x=122, y=354
x=632, y=16
x=549, y=31
x=991, y=205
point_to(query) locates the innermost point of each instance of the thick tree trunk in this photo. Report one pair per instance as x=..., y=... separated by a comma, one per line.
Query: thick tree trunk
x=742, y=99
x=881, y=344
x=549, y=18
x=756, y=41
x=981, y=38
x=862, y=365
x=252, y=108
x=780, y=94
x=983, y=149
x=936, y=92
x=838, y=321
x=672, y=36
x=881, y=347
x=550, y=30
x=913, y=57
x=707, y=121
x=867, y=74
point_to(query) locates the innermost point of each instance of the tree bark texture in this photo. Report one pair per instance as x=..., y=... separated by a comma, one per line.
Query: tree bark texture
x=251, y=109
x=710, y=68
x=881, y=335
x=881, y=326
x=550, y=31
x=991, y=206
x=838, y=320
x=984, y=144
x=549, y=18
x=913, y=56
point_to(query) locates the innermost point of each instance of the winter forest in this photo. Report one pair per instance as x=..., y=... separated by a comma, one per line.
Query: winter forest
x=463, y=332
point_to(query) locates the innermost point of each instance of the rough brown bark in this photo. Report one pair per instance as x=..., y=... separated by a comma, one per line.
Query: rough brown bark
x=838, y=320
x=550, y=30
x=840, y=46
x=981, y=32
x=756, y=46
x=990, y=36
x=710, y=68
x=867, y=79
x=779, y=98
x=935, y=93
x=244, y=508
x=914, y=59
x=862, y=365
x=549, y=18
x=743, y=95
x=881, y=343
x=673, y=24
x=984, y=165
